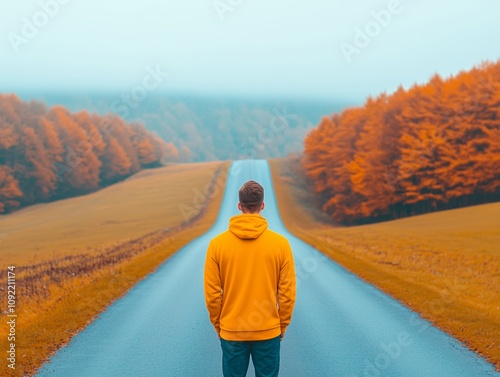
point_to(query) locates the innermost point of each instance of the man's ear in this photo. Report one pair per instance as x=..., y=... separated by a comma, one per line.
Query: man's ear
x=239, y=206
x=262, y=206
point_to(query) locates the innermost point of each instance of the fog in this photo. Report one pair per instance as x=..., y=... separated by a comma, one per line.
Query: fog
x=318, y=49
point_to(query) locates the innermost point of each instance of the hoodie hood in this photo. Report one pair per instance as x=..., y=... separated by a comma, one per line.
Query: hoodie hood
x=247, y=226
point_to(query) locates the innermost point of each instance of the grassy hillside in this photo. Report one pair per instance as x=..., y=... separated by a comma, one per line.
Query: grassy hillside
x=444, y=265
x=145, y=202
x=74, y=257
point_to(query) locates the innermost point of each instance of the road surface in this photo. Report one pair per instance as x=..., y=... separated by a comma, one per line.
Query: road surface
x=341, y=326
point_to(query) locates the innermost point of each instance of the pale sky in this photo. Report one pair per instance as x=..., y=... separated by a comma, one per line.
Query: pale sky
x=247, y=47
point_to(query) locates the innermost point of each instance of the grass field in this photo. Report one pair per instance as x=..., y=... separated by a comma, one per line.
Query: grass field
x=74, y=257
x=444, y=265
x=145, y=202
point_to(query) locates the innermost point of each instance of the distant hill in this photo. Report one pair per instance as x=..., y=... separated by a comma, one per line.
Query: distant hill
x=48, y=154
x=209, y=128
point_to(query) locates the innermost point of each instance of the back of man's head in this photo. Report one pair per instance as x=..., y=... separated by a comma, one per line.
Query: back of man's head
x=251, y=196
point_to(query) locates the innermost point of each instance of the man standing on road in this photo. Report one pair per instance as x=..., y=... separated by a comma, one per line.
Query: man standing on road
x=250, y=288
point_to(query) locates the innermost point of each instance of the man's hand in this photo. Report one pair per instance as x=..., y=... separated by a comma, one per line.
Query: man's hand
x=218, y=334
x=282, y=335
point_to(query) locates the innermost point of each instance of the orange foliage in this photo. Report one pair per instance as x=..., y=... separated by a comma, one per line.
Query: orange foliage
x=9, y=188
x=48, y=154
x=431, y=147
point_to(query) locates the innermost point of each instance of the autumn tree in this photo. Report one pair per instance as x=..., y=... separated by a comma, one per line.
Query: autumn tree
x=9, y=190
x=430, y=147
x=48, y=154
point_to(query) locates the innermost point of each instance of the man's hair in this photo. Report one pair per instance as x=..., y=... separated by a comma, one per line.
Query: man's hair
x=251, y=196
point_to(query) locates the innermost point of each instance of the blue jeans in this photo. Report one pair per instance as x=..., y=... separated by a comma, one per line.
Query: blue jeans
x=265, y=357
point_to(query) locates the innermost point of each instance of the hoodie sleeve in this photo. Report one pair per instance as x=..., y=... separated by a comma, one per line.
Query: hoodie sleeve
x=212, y=286
x=286, y=288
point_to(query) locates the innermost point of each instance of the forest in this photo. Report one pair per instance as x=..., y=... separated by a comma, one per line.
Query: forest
x=210, y=128
x=58, y=145
x=430, y=147
x=50, y=153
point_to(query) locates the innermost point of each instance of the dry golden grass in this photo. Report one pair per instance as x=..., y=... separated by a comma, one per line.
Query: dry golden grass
x=444, y=265
x=145, y=202
x=91, y=250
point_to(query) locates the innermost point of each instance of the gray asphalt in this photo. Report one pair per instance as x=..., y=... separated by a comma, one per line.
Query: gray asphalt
x=341, y=325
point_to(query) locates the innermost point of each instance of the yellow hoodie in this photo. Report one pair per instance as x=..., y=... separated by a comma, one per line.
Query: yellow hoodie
x=249, y=280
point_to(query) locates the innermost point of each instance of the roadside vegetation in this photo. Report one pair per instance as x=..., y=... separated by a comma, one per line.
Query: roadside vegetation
x=444, y=265
x=74, y=257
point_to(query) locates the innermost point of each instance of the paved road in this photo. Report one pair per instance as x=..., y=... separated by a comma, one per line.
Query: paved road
x=341, y=325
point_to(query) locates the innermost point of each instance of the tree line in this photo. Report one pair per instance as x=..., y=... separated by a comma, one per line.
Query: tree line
x=431, y=147
x=48, y=154
x=208, y=128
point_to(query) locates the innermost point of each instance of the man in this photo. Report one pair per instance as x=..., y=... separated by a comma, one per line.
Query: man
x=250, y=288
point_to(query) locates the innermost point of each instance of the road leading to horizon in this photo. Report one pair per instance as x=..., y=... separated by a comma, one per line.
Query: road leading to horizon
x=341, y=325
